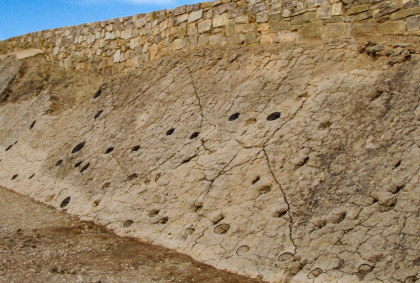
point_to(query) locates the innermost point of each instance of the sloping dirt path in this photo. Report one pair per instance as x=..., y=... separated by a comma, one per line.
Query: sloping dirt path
x=40, y=244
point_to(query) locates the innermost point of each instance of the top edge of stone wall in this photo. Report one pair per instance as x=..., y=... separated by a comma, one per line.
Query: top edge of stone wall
x=122, y=43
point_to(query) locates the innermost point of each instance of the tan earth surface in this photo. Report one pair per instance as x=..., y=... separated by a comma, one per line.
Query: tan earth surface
x=40, y=244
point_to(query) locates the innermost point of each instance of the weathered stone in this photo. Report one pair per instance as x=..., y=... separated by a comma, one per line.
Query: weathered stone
x=413, y=23
x=355, y=9
x=304, y=18
x=245, y=28
x=363, y=28
x=194, y=16
x=392, y=27
x=337, y=9
x=220, y=20
x=204, y=26
x=276, y=27
x=337, y=29
x=311, y=31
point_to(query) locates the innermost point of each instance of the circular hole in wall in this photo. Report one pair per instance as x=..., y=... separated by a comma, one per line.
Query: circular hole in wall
x=109, y=150
x=65, y=202
x=233, y=117
x=163, y=221
x=222, y=229
x=194, y=135
x=273, y=116
x=153, y=213
x=365, y=268
x=189, y=231
x=78, y=147
x=59, y=162
x=135, y=148
x=106, y=185
x=98, y=114
x=85, y=168
x=242, y=250
x=132, y=176
x=411, y=279
x=127, y=223
x=265, y=190
x=78, y=164
x=286, y=256
x=32, y=125
x=315, y=273
x=170, y=131
x=97, y=94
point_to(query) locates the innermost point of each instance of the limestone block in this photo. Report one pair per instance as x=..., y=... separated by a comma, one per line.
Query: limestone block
x=311, y=31
x=267, y=38
x=304, y=18
x=276, y=27
x=195, y=16
x=286, y=37
x=404, y=13
x=337, y=9
x=245, y=28
x=396, y=27
x=356, y=9
x=413, y=23
x=220, y=20
x=363, y=28
x=204, y=26
x=181, y=19
x=244, y=19
x=337, y=29
x=117, y=56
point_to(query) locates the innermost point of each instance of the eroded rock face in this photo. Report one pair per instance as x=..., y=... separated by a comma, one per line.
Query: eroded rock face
x=295, y=164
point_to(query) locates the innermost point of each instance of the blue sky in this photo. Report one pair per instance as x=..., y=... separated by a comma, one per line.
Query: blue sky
x=18, y=17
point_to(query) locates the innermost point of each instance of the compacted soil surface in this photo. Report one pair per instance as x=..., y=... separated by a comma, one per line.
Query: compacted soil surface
x=40, y=244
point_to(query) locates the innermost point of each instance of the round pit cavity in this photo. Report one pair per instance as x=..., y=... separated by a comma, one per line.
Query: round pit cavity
x=233, y=117
x=315, y=273
x=242, y=250
x=78, y=147
x=135, y=148
x=97, y=94
x=170, y=132
x=85, y=168
x=127, y=223
x=365, y=268
x=194, y=135
x=273, y=116
x=99, y=113
x=109, y=150
x=65, y=202
x=222, y=229
x=286, y=256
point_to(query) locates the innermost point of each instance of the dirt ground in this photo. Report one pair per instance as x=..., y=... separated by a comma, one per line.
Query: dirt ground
x=40, y=244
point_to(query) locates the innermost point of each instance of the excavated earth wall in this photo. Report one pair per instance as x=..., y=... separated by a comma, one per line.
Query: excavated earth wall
x=295, y=162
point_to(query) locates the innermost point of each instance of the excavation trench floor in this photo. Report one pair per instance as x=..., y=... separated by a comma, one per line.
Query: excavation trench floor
x=40, y=244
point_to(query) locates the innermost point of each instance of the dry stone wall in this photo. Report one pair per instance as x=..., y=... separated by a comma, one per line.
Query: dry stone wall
x=125, y=42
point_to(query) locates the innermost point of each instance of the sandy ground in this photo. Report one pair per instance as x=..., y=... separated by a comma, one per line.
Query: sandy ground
x=40, y=244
